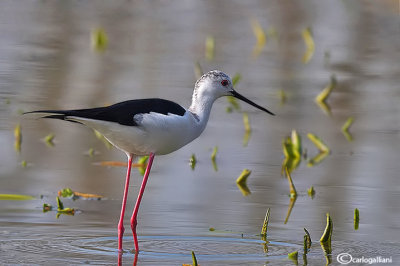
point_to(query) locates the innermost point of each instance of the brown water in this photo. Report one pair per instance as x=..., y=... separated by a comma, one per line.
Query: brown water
x=46, y=61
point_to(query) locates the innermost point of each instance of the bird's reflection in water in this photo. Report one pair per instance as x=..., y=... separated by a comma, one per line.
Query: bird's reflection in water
x=120, y=258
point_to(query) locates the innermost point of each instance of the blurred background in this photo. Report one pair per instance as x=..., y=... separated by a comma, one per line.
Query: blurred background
x=79, y=54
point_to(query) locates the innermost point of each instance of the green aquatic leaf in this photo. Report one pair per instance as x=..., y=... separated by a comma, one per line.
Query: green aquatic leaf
x=311, y=192
x=247, y=129
x=260, y=37
x=326, y=239
x=317, y=159
x=292, y=201
x=356, y=218
x=241, y=182
x=346, y=127
x=193, y=161
x=264, y=228
x=244, y=189
x=310, y=45
x=66, y=193
x=293, y=256
x=15, y=197
x=292, y=147
x=318, y=143
x=143, y=161
x=60, y=205
x=236, y=78
x=324, y=94
x=307, y=241
x=194, y=260
x=214, y=157
x=17, y=138
x=99, y=40
x=210, y=48
x=233, y=102
x=327, y=235
x=243, y=176
x=24, y=163
x=49, y=140
x=293, y=192
x=290, y=163
x=282, y=96
x=321, y=98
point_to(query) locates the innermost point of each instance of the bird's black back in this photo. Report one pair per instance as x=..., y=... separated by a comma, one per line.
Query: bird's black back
x=122, y=112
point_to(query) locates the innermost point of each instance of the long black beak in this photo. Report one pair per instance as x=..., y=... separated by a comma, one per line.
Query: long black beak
x=241, y=97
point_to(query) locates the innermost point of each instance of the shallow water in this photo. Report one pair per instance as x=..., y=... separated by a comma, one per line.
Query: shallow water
x=46, y=61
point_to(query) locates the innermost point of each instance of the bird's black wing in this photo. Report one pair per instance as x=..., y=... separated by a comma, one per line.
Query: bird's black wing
x=121, y=113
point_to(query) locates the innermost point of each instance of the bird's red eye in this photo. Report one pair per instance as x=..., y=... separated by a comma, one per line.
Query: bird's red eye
x=224, y=82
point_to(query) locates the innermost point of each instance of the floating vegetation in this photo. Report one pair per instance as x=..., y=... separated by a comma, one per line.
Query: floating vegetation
x=15, y=197
x=243, y=176
x=293, y=192
x=322, y=147
x=346, y=127
x=260, y=37
x=310, y=45
x=234, y=105
x=192, y=161
x=282, y=96
x=311, y=192
x=326, y=238
x=214, y=157
x=62, y=210
x=198, y=71
x=264, y=228
x=91, y=152
x=293, y=256
x=292, y=149
x=47, y=207
x=327, y=235
x=317, y=159
x=292, y=195
x=307, y=241
x=194, y=260
x=247, y=129
x=324, y=94
x=49, y=140
x=241, y=182
x=24, y=163
x=356, y=218
x=17, y=138
x=236, y=78
x=99, y=40
x=143, y=164
x=210, y=47
x=69, y=193
x=103, y=139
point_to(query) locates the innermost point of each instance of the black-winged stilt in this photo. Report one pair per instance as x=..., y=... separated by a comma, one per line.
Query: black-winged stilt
x=152, y=126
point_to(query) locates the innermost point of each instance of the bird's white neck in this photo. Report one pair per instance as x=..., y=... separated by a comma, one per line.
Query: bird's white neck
x=201, y=107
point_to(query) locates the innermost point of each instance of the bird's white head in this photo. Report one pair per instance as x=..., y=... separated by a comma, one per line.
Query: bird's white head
x=215, y=84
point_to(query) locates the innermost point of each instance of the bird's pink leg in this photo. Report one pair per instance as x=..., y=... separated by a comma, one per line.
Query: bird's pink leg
x=121, y=228
x=136, y=209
